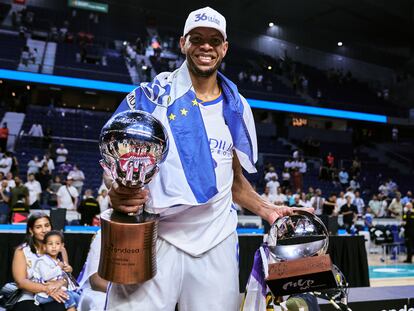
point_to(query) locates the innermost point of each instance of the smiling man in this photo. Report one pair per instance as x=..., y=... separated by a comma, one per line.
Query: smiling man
x=212, y=136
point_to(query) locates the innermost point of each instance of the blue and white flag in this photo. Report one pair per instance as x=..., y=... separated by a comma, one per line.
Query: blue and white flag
x=258, y=296
x=187, y=176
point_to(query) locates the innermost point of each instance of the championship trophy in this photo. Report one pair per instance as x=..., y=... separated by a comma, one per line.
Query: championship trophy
x=298, y=261
x=132, y=145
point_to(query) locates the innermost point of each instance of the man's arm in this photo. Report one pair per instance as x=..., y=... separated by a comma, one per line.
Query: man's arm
x=247, y=197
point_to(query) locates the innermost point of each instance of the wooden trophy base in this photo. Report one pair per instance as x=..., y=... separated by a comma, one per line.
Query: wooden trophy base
x=301, y=275
x=128, y=247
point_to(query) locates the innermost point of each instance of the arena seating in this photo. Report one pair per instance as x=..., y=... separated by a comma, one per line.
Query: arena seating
x=68, y=63
x=10, y=57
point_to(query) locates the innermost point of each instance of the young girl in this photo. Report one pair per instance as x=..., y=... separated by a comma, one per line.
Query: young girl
x=50, y=268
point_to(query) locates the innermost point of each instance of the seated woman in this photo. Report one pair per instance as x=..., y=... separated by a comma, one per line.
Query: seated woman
x=24, y=260
x=93, y=287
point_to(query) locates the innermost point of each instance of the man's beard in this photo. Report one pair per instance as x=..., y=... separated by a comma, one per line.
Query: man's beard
x=201, y=73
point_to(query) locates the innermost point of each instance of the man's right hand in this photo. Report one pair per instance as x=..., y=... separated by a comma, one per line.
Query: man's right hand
x=127, y=200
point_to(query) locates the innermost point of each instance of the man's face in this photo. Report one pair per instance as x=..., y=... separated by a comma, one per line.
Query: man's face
x=204, y=49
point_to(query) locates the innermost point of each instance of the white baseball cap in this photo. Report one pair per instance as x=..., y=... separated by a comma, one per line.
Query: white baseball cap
x=205, y=17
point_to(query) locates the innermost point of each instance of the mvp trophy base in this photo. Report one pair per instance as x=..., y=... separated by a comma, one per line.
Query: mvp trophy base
x=301, y=275
x=128, y=247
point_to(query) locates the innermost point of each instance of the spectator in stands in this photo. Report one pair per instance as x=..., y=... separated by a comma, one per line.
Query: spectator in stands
x=270, y=174
x=242, y=76
x=310, y=194
x=395, y=209
x=285, y=178
x=93, y=287
x=49, y=162
x=356, y=167
x=341, y=200
x=349, y=212
x=383, y=189
x=88, y=208
x=273, y=184
x=375, y=207
x=330, y=160
x=305, y=201
x=354, y=184
x=391, y=186
x=10, y=180
x=65, y=168
x=296, y=179
x=52, y=191
x=330, y=207
x=6, y=163
x=33, y=165
x=343, y=178
x=408, y=219
x=359, y=203
x=19, y=194
x=4, y=203
x=297, y=201
x=280, y=198
x=44, y=178
x=15, y=164
x=408, y=198
x=288, y=164
x=25, y=56
x=317, y=202
x=61, y=154
x=319, y=95
x=102, y=186
x=384, y=203
x=4, y=136
x=25, y=258
x=350, y=192
x=33, y=54
x=104, y=200
x=267, y=196
x=303, y=167
x=295, y=164
x=295, y=155
x=36, y=130
x=394, y=134
x=35, y=191
x=67, y=195
x=78, y=177
x=291, y=199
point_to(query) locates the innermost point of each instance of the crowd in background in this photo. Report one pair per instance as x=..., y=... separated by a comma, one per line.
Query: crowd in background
x=348, y=200
x=52, y=181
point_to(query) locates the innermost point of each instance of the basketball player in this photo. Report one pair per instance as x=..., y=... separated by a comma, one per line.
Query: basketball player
x=212, y=136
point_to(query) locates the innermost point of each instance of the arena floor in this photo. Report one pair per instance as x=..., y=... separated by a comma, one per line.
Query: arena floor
x=390, y=271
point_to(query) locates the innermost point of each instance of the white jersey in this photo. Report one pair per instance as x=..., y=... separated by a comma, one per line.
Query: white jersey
x=197, y=229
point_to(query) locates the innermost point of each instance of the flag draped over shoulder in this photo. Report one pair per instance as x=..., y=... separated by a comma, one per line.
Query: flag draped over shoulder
x=187, y=176
x=258, y=296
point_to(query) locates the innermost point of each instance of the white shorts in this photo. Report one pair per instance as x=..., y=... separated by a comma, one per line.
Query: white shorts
x=91, y=300
x=208, y=282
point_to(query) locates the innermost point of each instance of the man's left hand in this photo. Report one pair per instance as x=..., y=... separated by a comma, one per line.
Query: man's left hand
x=274, y=212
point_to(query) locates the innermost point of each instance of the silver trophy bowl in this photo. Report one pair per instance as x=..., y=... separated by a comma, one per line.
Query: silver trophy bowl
x=132, y=145
x=297, y=236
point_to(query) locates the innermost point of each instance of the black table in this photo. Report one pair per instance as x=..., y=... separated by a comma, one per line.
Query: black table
x=347, y=252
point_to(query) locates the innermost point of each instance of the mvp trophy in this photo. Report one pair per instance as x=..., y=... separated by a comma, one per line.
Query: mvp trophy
x=298, y=261
x=132, y=145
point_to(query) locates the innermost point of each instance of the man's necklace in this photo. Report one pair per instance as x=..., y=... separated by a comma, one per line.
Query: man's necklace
x=198, y=101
